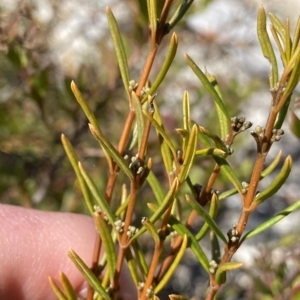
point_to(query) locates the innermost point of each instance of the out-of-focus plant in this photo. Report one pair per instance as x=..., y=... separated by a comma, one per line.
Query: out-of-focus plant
x=174, y=207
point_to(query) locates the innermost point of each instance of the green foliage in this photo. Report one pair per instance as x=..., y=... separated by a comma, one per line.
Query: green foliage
x=174, y=202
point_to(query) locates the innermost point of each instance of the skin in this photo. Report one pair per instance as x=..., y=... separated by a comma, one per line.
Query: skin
x=34, y=246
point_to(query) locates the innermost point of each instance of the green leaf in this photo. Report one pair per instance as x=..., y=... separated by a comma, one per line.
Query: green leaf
x=152, y=13
x=203, y=138
x=167, y=201
x=211, y=151
x=293, y=65
x=186, y=111
x=276, y=183
x=119, y=48
x=133, y=263
x=171, y=270
x=296, y=36
x=155, y=187
x=223, y=119
x=166, y=140
x=266, y=45
x=294, y=124
x=70, y=293
x=180, y=12
x=280, y=28
x=195, y=246
x=108, y=243
x=208, y=218
x=185, y=131
x=165, y=66
x=266, y=225
x=151, y=229
x=210, y=88
x=139, y=258
x=89, y=114
x=217, y=140
x=166, y=151
x=162, y=207
x=90, y=277
x=228, y=171
x=109, y=148
x=215, y=247
x=221, y=271
x=271, y=167
x=101, y=202
x=189, y=154
x=57, y=291
x=139, y=118
x=74, y=162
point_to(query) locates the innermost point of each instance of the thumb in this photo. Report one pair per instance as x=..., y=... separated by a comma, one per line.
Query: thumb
x=34, y=246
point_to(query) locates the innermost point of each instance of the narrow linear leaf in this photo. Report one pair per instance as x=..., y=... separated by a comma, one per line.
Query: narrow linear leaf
x=186, y=110
x=132, y=263
x=151, y=229
x=158, y=211
x=189, y=155
x=228, y=171
x=168, y=155
x=162, y=132
x=167, y=201
x=279, y=45
x=108, y=244
x=70, y=293
x=266, y=225
x=215, y=247
x=152, y=13
x=294, y=124
x=266, y=45
x=101, y=202
x=271, y=167
x=74, y=162
x=140, y=258
x=296, y=36
x=280, y=28
x=206, y=217
x=134, y=140
x=109, y=148
x=165, y=66
x=119, y=47
x=139, y=118
x=294, y=64
x=180, y=12
x=204, y=139
x=209, y=87
x=223, y=120
x=211, y=151
x=83, y=104
x=195, y=246
x=88, y=274
x=217, y=140
x=155, y=187
x=162, y=283
x=288, y=40
x=276, y=183
x=228, y=266
x=90, y=116
x=57, y=291
x=185, y=132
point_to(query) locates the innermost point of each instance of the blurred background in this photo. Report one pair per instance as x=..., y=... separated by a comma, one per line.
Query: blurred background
x=44, y=44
